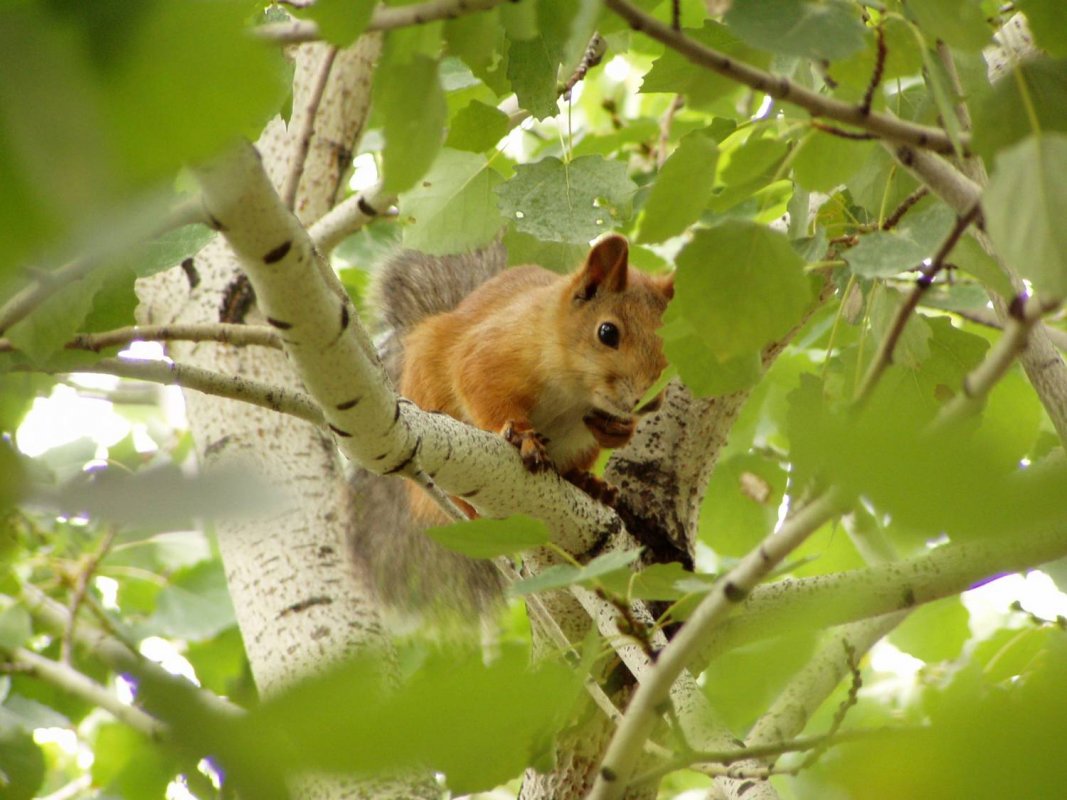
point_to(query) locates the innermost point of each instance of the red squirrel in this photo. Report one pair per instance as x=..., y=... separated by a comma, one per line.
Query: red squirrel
x=556, y=364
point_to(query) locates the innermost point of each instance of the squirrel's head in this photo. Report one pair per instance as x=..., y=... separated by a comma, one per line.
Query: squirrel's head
x=611, y=315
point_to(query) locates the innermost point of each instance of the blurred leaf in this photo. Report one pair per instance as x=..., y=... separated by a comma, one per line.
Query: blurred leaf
x=127, y=764
x=741, y=506
x=22, y=765
x=567, y=575
x=562, y=202
x=882, y=254
x=826, y=30
x=162, y=496
x=969, y=255
x=478, y=724
x=478, y=39
x=755, y=160
x=682, y=189
x=1025, y=205
x=222, y=666
x=489, y=538
x=53, y=323
x=114, y=302
x=959, y=23
x=1048, y=22
x=739, y=286
x=409, y=96
x=452, y=209
x=556, y=256
x=913, y=346
x=702, y=371
x=340, y=21
x=16, y=626
x=1002, y=113
x=935, y=631
x=170, y=248
x=195, y=605
x=477, y=127
x=744, y=681
x=673, y=72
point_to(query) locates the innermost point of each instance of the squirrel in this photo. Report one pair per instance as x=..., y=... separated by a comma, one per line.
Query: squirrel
x=556, y=364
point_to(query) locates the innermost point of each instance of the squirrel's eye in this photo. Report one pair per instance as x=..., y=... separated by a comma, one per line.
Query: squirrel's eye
x=608, y=334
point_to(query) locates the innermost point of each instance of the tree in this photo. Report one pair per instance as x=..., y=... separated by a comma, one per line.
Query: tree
x=864, y=414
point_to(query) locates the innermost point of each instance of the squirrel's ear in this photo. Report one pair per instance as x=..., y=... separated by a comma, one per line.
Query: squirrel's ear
x=606, y=266
x=666, y=285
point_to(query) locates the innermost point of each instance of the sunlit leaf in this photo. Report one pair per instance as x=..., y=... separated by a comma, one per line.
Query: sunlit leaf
x=489, y=538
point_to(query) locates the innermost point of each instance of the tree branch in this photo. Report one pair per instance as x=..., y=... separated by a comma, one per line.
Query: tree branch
x=221, y=332
x=230, y=386
x=642, y=713
x=69, y=680
x=781, y=88
x=384, y=18
x=349, y=216
x=307, y=130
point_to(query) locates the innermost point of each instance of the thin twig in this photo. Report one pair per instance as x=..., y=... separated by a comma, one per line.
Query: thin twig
x=665, y=129
x=302, y=143
x=349, y=216
x=982, y=316
x=221, y=332
x=70, y=680
x=81, y=586
x=230, y=386
x=781, y=88
x=894, y=219
x=841, y=133
x=876, y=74
x=593, y=55
x=884, y=356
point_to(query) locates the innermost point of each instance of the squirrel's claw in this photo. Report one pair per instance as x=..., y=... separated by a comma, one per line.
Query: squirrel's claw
x=530, y=443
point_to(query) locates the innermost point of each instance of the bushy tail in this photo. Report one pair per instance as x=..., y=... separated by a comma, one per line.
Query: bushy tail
x=410, y=572
x=411, y=286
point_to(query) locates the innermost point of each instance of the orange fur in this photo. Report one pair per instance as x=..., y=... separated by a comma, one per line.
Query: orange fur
x=521, y=356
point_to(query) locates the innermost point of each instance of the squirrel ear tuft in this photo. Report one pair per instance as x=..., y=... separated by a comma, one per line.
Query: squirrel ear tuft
x=606, y=266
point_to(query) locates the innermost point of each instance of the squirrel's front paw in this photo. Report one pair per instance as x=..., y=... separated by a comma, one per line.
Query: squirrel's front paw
x=530, y=443
x=597, y=488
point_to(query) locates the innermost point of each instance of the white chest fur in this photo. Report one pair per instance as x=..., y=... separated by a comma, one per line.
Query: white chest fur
x=558, y=417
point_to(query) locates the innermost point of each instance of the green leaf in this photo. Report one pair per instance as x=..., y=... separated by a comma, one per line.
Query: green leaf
x=114, y=302
x=959, y=23
x=340, y=21
x=913, y=346
x=453, y=207
x=739, y=285
x=409, y=96
x=658, y=582
x=170, y=248
x=755, y=160
x=126, y=764
x=195, y=605
x=489, y=538
x=882, y=254
x=1026, y=205
x=1006, y=113
x=682, y=189
x=16, y=626
x=824, y=162
x=741, y=506
x=1048, y=22
x=969, y=256
x=478, y=39
x=672, y=72
x=52, y=324
x=826, y=30
x=22, y=765
x=565, y=202
x=934, y=632
x=702, y=371
x=477, y=127
x=534, y=61
x=478, y=724
x=563, y=575
x=556, y=256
